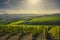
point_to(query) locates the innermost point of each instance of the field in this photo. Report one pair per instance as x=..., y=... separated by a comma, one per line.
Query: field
x=31, y=28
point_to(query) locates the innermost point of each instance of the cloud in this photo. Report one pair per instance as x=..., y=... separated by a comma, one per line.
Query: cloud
x=21, y=5
x=3, y=0
x=8, y=4
x=53, y=4
x=44, y=5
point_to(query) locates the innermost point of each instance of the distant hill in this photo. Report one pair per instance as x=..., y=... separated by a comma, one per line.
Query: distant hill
x=52, y=19
x=7, y=16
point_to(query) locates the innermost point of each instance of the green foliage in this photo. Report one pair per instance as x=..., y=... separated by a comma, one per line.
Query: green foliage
x=55, y=32
x=16, y=27
x=45, y=19
x=17, y=22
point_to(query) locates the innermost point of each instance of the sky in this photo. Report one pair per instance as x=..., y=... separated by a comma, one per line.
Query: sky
x=29, y=6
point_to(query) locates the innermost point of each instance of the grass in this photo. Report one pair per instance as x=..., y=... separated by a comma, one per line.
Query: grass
x=34, y=29
x=51, y=30
x=17, y=22
x=45, y=19
x=30, y=28
x=55, y=32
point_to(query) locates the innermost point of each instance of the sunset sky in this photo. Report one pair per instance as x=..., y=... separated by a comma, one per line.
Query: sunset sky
x=29, y=6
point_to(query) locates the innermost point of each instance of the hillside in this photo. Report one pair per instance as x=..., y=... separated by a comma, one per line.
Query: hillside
x=45, y=20
x=37, y=27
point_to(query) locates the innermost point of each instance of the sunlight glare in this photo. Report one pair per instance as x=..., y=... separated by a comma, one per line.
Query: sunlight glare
x=33, y=1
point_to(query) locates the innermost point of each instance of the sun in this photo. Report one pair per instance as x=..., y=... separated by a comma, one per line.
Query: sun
x=33, y=1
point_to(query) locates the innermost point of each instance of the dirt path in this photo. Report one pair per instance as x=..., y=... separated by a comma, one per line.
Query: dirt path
x=14, y=37
x=27, y=37
x=4, y=36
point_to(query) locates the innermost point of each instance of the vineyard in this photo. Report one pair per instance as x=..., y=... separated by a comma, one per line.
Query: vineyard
x=34, y=28
x=13, y=32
